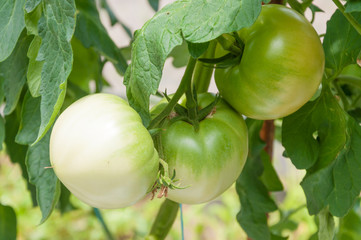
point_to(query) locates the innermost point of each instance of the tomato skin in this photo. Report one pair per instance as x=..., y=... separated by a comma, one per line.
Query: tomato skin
x=209, y=161
x=102, y=153
x=281, y=66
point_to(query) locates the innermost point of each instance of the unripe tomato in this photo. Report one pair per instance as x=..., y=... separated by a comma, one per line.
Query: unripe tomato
x=209, y=161
x=281, y=66
x=102, y=153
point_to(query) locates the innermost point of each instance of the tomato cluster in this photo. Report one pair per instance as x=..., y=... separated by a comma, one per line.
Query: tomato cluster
x=103, y=154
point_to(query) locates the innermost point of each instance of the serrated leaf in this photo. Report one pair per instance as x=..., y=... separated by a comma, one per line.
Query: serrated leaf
x=90, y=31
x=33, y=75
x=56, y=28
x=254, y=196
x=31, y=20
x=30, y=5
x=353, y=6
x=30, y=120
x=13, y=72
x=2, y=132
x=196, y=22
x=17, y=152
x=326, y=228
x=333, y=177
x=8, y=224
x=45, y=180
x=342, y=42
x=11, y=25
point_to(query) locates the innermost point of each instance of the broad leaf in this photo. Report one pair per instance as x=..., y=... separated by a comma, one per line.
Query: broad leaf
x=44, y=178
x=154, y=4
x=13, y=73
x=56, y=28
x=64, y=204
x=253, y=194
x=30, y=120
x=342, y=42
x=30, y=5
x=196, y=22
x=269, y=176
x=32, y=19
x=350, y=225
x=17, y=152
x=11, y=25
x=333, y=138
x=8, y=223
x=353, y=6
x=90, y=31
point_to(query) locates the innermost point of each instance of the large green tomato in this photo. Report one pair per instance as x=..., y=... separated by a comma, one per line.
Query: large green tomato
x=281, y=66
x=102, y=153
x=209, y=161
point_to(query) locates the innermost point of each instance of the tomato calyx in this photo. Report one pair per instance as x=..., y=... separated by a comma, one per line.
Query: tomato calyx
x=164, y=181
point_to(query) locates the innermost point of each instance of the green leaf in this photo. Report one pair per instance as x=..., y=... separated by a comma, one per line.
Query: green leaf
x=2, y=132
x=180, y=55
x=64, y=204
x=30, y=5
x=276, y=237
x=86, y=65
x=7, y=223
x=353, y=6
x=35, y=67
x=350, y=225
x=154, y=4
x=333, y=179
x=13, y=72
x=31, y=20
x=56, y=28
x=90, y=31
x=196, y=22
x=17, y=152
x=45, y=180
x=269, y=176
x=342, y=42
x=197, y=49
x=253, y=194
x=326, y=228
x=1, y=89
x=30, y=120
x=11, y=25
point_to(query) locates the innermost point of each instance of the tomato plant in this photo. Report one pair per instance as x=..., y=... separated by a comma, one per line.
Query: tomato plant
x=207, y=161
x=281, y=66
x=102, y=153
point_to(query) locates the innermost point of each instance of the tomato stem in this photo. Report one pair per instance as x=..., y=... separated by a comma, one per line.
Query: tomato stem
x=227, y=42
x=186, y=79
x=348, y=16
x=203, y=73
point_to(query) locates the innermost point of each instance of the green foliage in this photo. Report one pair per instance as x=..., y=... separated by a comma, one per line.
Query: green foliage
x=7, y=223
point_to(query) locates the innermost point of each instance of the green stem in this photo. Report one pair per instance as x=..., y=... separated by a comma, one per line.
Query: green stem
x=102, y=222
x=348, y=16
x=227, y=43
x=164, y=220
x=342, y=95
x=187, y=77
x=202, y=73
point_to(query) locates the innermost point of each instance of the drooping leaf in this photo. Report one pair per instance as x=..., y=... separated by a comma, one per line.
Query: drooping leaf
x=8, y=224
x=56, y=28
x=2, y=132
x=30, y=120
x=326, y=226
x=11, y=25
x=197, y=49
x=90, y=31
x=30, y=5
x=13, y=73
x=269, y=176
x=332, y=138
x=64, y=204
x=154, y=4
x=34, y=68
x=180, y=55
x=253, y=194
x=342, y=43
x=17, y=152
x=196, y=22
x=45, y=180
